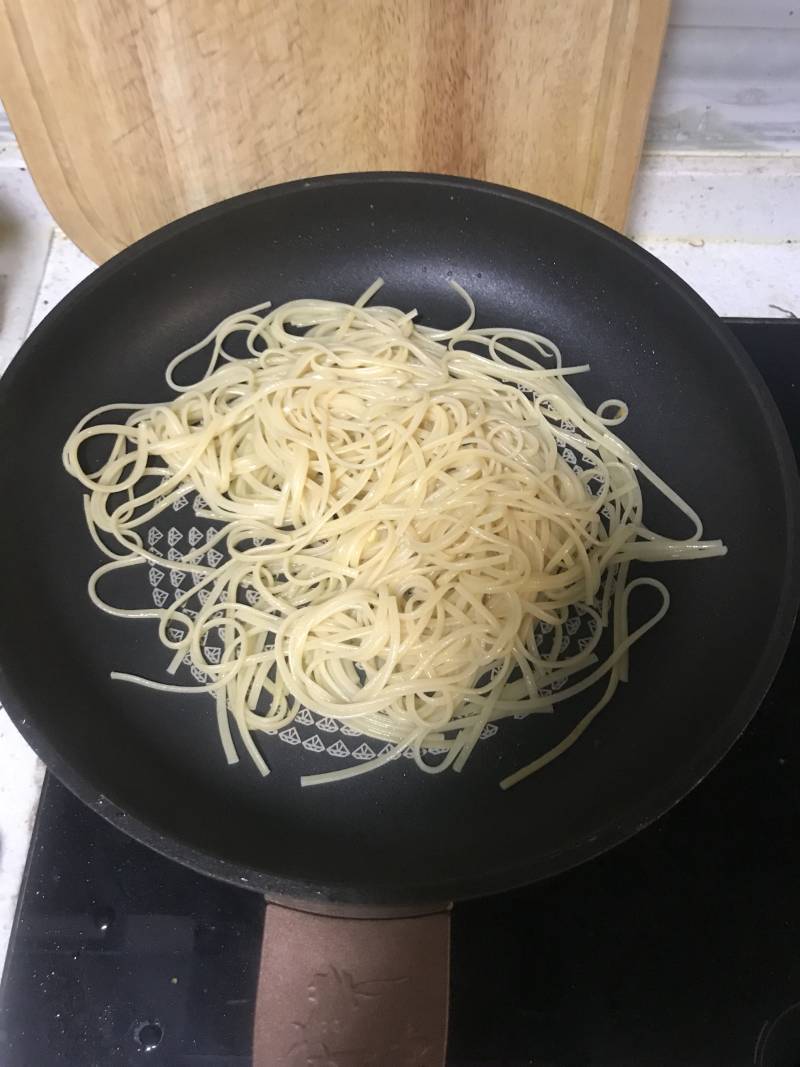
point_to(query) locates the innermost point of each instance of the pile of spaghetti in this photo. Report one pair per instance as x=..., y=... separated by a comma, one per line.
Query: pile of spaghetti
x=397, y=510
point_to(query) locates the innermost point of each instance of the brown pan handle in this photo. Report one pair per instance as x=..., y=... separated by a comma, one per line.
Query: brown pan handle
x=352, y=992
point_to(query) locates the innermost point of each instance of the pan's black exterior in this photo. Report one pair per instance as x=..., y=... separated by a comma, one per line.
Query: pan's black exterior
x=700, y=415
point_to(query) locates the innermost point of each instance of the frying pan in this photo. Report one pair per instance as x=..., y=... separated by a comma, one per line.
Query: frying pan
x=364, y=871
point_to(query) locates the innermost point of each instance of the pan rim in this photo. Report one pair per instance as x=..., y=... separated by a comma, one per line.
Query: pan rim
x=525, y=870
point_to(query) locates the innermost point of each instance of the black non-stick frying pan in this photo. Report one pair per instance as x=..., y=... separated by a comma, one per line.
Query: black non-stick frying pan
x=393, y=843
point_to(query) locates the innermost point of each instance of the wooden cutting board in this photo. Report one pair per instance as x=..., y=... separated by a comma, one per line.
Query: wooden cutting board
x=133, y=112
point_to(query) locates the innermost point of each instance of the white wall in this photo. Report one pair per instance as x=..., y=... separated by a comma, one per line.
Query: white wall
x=729, y=78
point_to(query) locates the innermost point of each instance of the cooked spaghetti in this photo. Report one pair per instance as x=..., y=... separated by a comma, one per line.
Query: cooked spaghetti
x=398, y=510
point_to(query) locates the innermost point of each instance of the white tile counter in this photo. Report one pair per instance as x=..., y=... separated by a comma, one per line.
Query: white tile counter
x=727, y=224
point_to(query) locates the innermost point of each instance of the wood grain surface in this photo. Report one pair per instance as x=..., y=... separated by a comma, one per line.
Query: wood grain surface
x=133, y=112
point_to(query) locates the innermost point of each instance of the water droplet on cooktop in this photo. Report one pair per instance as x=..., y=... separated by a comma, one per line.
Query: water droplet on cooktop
x=103, y=918
x=148, y=1035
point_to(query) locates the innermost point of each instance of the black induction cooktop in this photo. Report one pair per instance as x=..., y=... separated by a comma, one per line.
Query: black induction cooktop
x=681, y=947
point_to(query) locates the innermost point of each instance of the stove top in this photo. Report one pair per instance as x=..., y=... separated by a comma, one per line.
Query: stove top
x=681, y=946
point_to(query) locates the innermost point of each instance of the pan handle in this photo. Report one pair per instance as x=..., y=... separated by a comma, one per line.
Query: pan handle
x=352, y=992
